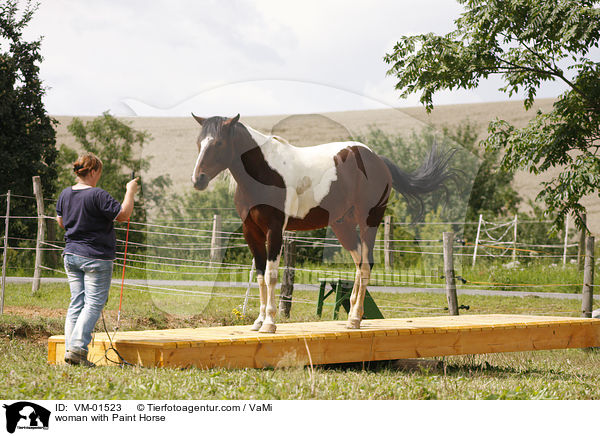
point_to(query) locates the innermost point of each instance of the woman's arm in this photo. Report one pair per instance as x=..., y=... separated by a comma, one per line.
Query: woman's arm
x=128, y=201
x=59, y=220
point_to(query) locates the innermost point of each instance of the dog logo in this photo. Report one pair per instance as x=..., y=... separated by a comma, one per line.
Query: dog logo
x=26, y=415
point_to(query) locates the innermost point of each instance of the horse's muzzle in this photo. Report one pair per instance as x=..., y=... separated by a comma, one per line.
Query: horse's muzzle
x=201, y=182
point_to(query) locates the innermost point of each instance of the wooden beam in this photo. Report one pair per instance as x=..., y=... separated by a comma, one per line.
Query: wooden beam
x=39, y=199
x=587, y=297
x=448, y=242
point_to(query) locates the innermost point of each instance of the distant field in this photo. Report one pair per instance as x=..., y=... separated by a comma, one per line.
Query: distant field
x=174, y=151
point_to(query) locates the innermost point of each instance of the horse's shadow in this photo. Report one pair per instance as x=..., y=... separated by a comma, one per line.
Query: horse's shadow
x=440, y=367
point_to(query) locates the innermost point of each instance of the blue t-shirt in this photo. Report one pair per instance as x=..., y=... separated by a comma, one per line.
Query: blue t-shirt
x=88, y=216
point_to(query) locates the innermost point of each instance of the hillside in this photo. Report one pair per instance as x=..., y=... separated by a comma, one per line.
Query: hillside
x=173, y=148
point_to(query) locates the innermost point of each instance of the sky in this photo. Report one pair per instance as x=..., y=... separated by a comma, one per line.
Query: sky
x=260, y=57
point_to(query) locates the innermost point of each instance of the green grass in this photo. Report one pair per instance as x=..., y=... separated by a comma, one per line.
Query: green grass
x=536, y=275
x=528, y=277
x=559, y=374
x=215, y=306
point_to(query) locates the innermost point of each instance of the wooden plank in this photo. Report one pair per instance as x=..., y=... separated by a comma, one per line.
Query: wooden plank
x=51, y=351
x=331, y=342
x=59, y=352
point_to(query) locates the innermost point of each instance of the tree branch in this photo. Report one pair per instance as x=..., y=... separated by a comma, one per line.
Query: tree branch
x=554, y=70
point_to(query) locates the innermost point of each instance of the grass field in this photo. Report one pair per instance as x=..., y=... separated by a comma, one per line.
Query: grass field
x=560, y=374
x=538, y=276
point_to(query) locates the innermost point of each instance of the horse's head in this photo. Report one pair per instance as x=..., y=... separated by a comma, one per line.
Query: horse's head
x=215, y=148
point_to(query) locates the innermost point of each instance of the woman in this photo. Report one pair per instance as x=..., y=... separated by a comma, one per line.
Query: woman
x=87, y=214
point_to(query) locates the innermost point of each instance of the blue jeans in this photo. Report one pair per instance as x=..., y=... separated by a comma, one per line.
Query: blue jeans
x=89, y=280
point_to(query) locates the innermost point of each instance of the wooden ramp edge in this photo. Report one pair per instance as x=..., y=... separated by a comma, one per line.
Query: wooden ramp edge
x=331, y=342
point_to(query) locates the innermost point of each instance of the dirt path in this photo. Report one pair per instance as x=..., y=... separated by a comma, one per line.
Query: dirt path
x=35, y=311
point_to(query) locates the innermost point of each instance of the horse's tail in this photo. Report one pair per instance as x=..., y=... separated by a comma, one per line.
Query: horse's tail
x=431, y=176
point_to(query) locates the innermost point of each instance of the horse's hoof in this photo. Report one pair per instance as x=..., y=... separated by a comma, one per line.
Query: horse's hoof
x=353, y=323
x=256, y=326
x=268, y=328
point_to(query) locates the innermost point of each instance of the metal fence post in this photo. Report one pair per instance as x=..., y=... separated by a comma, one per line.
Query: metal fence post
x=215, y=241
x=477, y=238
x=6, y=218
x=514, y=253
x=250, y=280
x=566, y=243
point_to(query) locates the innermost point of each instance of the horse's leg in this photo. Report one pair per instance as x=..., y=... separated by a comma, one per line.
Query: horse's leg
x=256, y=242
x=346, y=234
x=274, y=244
x=367, y=243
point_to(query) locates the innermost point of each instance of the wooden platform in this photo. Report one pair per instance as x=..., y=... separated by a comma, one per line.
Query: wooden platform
x=331, y=342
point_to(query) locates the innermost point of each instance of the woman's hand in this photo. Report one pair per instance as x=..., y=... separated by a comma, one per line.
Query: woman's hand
x=132, y=185
x=127, y=205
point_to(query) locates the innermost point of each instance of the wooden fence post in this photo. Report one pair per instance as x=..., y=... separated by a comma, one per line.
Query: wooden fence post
x=5, y=250
x=448, y=239
x=587, y=293
x=581, y=249
x=388, y=245
x=289, y=272
x=39, y=199
x=215, y=241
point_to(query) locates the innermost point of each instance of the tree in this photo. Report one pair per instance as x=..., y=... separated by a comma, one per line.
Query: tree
x=27, y=136
x=119, y=146
x=491, y=191
x=527, y=42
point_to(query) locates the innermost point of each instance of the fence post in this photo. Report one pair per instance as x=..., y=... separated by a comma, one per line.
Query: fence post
x=448, y=239
x=477, y=239
x=388, y=231
x=215, y=241
x=514, y=253
x=5, y=250
x=587, y=293
x=51, y=255
x=581, y=249
x=289, y=272
x=250, y=280
x=566, y=241
x=39, y=199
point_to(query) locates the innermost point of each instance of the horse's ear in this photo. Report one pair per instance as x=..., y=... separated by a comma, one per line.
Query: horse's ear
x=231, y=121
x=199, y=119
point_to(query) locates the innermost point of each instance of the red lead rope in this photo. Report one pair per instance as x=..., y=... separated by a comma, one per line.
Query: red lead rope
x=123, y=277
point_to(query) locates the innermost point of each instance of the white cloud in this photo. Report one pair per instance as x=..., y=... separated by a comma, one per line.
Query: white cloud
x=163, y=53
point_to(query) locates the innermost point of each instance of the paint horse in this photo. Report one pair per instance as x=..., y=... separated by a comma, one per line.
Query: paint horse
x=281, y=187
